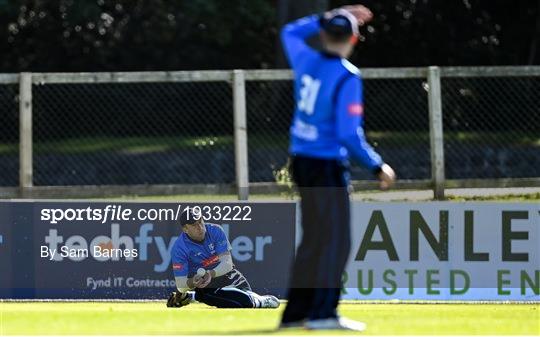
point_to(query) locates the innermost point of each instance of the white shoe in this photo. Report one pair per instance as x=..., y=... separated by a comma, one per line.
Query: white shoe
x=339, y=323
x=269, y=301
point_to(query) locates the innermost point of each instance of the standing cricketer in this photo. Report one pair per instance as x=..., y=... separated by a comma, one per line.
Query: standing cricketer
x=326, y=130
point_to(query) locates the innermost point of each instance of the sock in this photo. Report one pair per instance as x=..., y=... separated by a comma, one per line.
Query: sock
x=256, y=299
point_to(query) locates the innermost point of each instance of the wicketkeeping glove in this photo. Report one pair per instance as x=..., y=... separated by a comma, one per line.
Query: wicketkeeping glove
x=177, y=300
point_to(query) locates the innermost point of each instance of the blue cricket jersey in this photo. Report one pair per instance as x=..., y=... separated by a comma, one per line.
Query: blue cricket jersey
x=188, y=256
x=327, y=121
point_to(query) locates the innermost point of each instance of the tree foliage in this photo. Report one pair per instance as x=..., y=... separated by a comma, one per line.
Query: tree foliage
x=106, y=35
x=445, y=33
x=90, y=35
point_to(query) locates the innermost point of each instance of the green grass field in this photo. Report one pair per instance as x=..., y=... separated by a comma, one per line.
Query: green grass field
x=153, y=318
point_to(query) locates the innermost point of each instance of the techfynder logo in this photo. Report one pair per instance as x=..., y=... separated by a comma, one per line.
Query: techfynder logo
x=244, y=248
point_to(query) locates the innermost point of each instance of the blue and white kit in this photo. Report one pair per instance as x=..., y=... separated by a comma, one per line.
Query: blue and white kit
x=328, y=118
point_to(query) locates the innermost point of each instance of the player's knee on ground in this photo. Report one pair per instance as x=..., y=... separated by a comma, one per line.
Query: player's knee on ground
x=226, y=298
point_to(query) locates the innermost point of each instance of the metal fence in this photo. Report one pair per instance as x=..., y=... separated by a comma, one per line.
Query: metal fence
x=86, y=134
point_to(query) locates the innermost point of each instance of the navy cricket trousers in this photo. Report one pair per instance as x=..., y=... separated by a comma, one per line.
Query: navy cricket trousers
x=231, y=290
x=315, y=284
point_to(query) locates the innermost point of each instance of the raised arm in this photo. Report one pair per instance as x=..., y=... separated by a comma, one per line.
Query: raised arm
x=295, y=34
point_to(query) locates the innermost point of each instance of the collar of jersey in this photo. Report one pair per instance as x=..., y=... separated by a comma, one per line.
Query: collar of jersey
x=330, y=54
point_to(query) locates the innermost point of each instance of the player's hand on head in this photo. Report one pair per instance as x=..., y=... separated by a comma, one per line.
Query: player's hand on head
x=361, y=12
x=386, y=176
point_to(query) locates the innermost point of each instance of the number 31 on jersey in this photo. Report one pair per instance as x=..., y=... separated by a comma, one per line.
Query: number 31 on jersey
x=308, y=94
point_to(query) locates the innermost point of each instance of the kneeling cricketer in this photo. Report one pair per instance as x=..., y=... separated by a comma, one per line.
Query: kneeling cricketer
x=204, y=271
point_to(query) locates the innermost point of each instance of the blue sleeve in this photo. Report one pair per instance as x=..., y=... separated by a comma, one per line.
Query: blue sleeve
x=221, y=242
x=350, y=131
x=294, y=35
x=180, y=263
